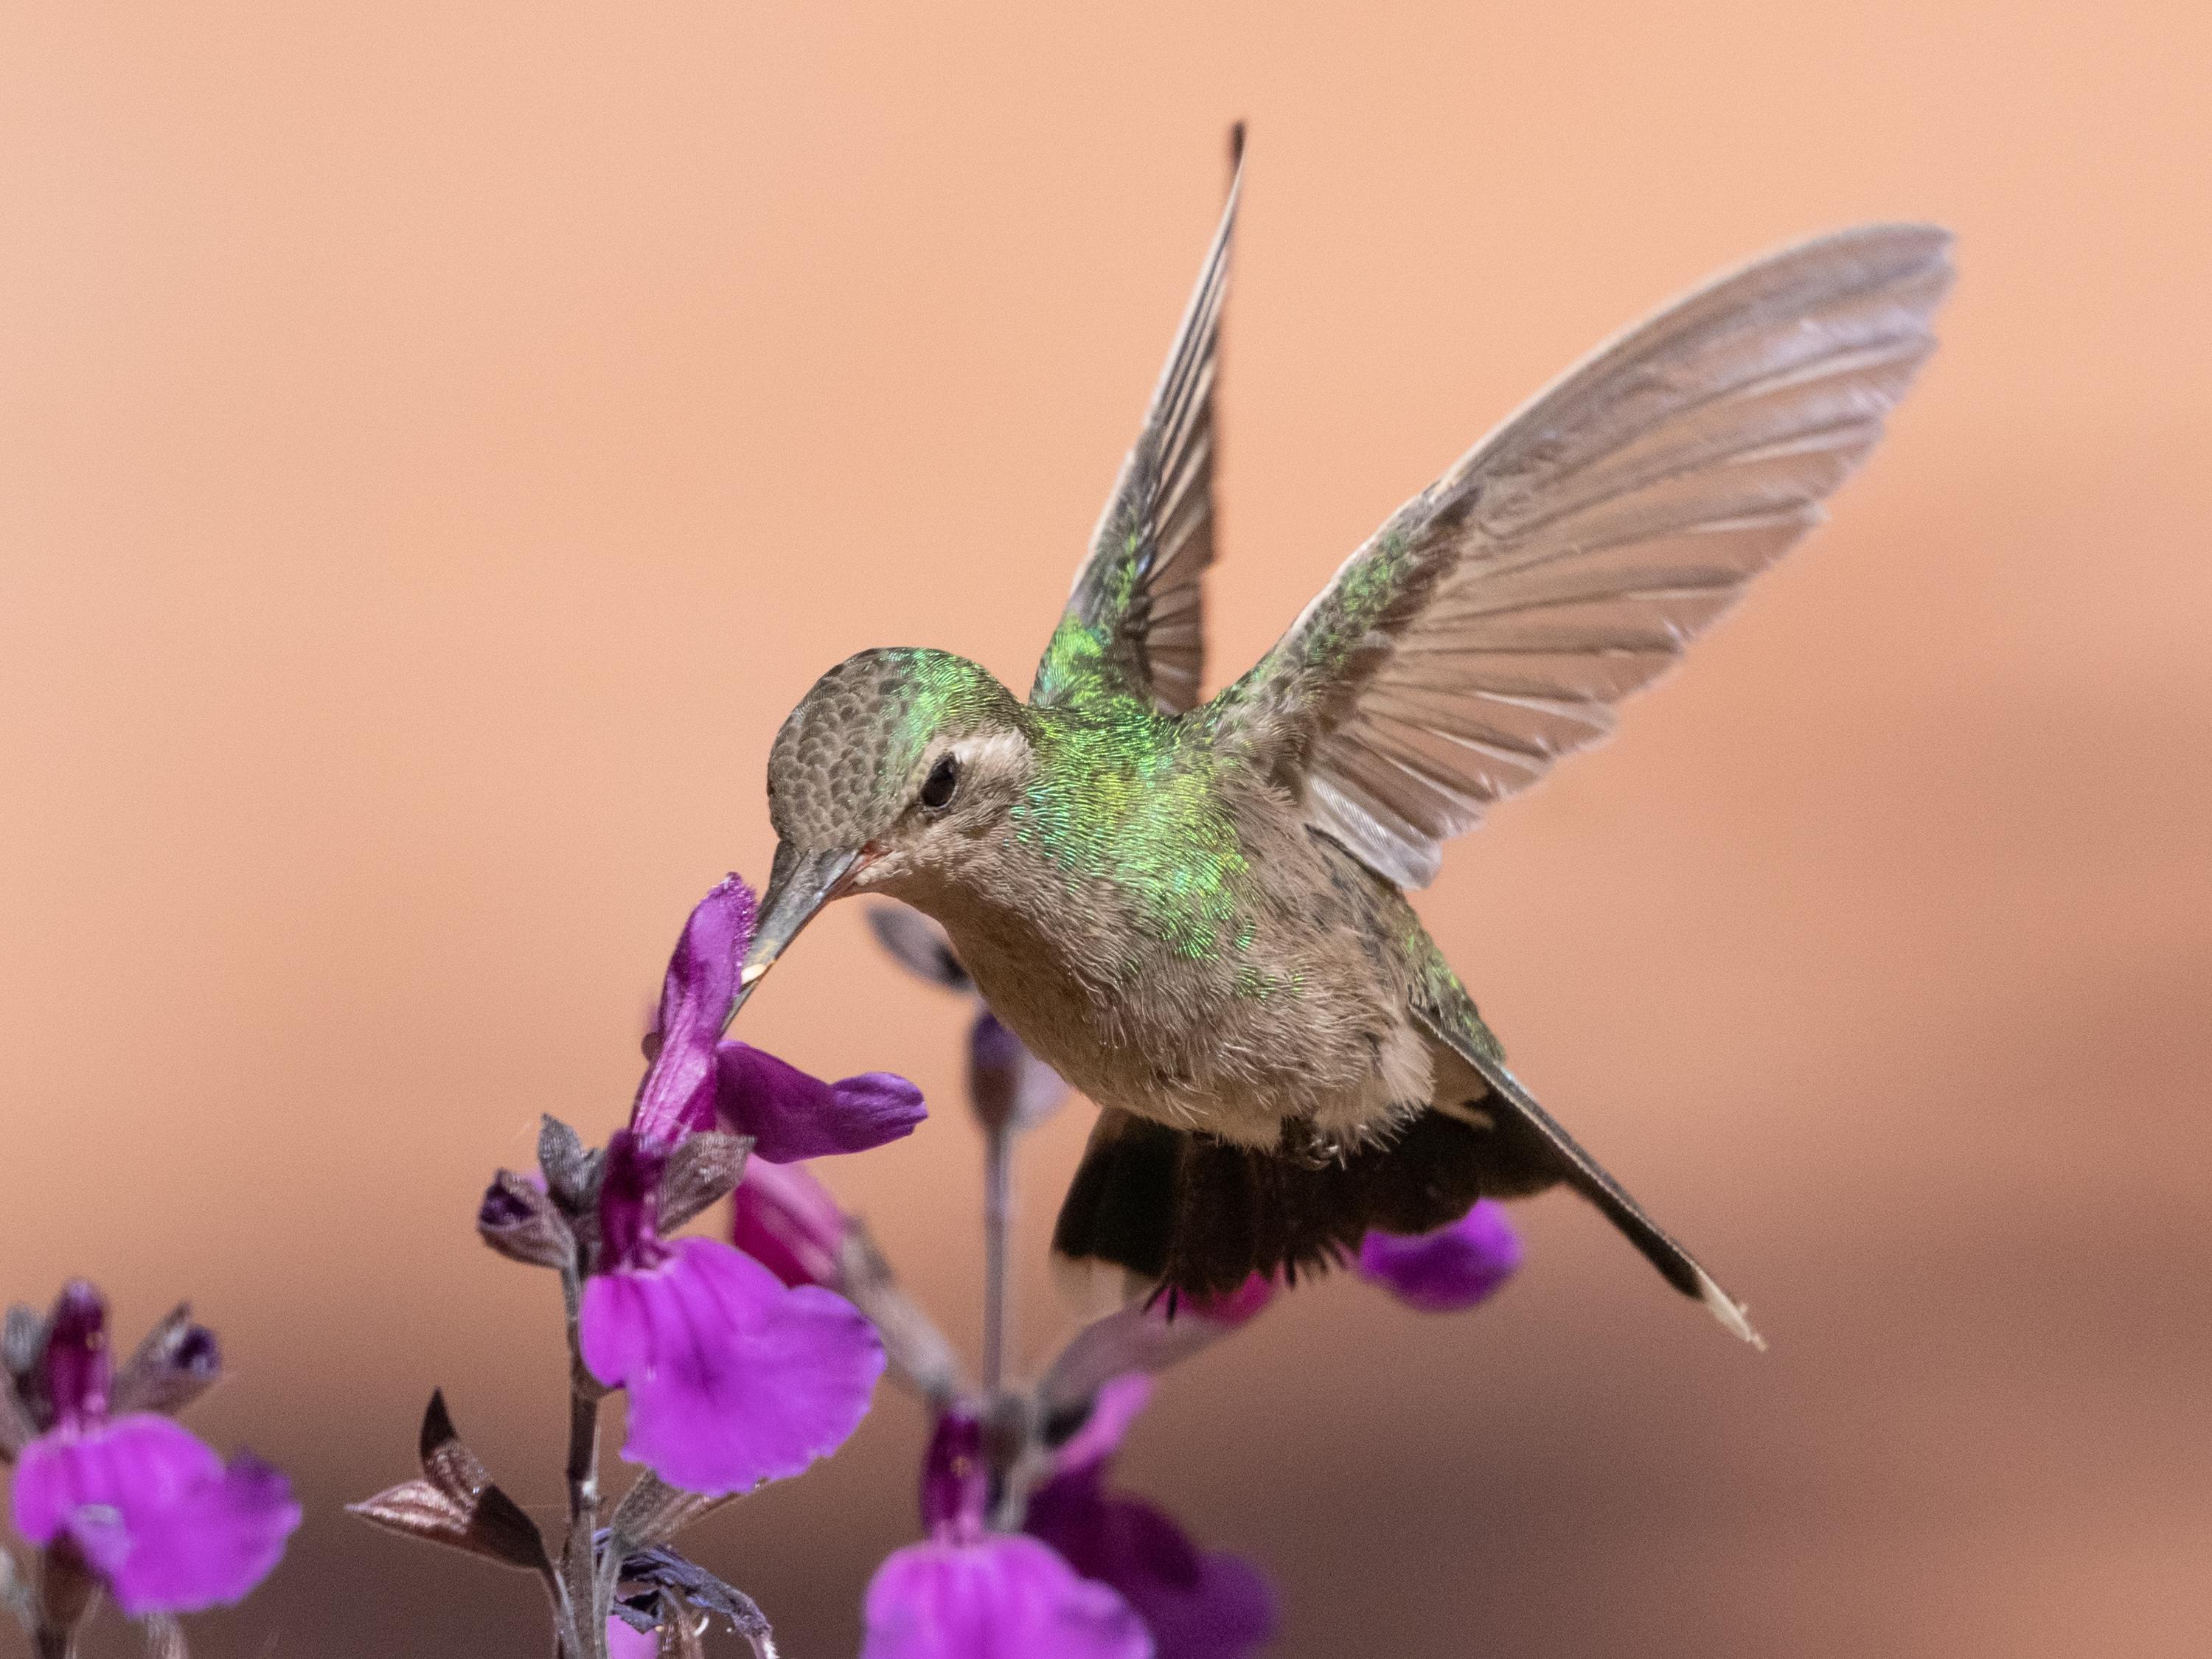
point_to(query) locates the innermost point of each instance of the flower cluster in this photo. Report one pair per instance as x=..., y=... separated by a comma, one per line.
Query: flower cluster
x=735, y=1373
x=1028, y=1549
x=742, y=1361
x=113, y=1492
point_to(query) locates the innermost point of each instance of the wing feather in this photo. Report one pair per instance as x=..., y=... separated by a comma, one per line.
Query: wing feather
x=1491, y=626
x=1135, y=621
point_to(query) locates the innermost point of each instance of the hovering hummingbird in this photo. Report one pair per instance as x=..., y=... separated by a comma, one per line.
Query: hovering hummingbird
x=1195, y=909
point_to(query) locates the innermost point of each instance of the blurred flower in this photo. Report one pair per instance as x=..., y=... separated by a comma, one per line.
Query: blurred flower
x=970, y=1593
x=148, y=1506
x=786, y=1220
x=625, y=1641
x=1009, y=1087
x=1197, y=1604
x=694, y=1077
x=733, y=1377
x=1452, y=1268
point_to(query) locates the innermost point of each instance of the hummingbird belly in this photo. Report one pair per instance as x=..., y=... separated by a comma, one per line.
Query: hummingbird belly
x=1302, y=1016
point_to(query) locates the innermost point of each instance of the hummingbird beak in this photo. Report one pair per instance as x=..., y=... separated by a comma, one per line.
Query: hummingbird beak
x=799, y=885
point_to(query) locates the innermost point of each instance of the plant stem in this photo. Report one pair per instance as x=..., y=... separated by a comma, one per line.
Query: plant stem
x=586, y=1634
x=997, y=1214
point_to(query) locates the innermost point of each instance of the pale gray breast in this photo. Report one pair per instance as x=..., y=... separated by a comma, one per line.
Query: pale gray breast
x=1304, y=1020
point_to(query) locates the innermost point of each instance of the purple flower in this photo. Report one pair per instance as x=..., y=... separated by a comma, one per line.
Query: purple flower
x=786, y=1220
x=1197, y=1604
x=968, y=1593
x=734, y=1378
x=694, y=1078
x=152, y=1510
x=792, y=1115
x=625, y=1641
x=1452, y=1268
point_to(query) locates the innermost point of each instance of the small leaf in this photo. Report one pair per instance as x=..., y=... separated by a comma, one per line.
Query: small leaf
x=572, y=1174
x=455, y=1504
x=651, y=1511
x=177, y=1363
x=702, y=1171
x=17, y=1430
x=20, y=1339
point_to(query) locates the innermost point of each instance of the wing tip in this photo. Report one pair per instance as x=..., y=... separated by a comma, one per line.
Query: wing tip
x=1731, y=1313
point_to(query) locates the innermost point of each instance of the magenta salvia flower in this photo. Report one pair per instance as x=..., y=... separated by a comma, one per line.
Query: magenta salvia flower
x=733, y=1377
x=1452, y=1268
x=164, y=1522
x=792, y=1115
x=1197, y=1604
x=624, y=1642
x=970, y=1593
x=696, y=1079
x=787, y=1220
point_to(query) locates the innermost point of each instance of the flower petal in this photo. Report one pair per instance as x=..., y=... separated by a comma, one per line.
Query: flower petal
x=625, y=1642
x=695, y=999
x=629, y=1202
x=792, y=1115
x=1004, y=1598
x=786, y=1220
x=1197, y=1604
x=1452, y=1268
x=169, y=1526
x=1115, y=1408
x=733, y=1378
x=955, y=1483
x=74, y=1371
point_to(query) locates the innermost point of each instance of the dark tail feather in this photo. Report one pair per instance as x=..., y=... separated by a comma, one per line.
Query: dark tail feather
x=1537, y=1140
x=1197, y=1216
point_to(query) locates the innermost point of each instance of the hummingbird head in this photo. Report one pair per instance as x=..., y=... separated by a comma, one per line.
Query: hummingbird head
x=894, y=764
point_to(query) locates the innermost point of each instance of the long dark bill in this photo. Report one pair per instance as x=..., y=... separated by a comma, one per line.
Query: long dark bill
x=799, y=885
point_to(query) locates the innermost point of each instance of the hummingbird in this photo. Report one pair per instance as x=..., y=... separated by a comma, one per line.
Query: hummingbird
x=1196, y=908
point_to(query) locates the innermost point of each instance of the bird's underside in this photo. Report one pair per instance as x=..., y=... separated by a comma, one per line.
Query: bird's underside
x=1162, y=1205
x=1488, y=628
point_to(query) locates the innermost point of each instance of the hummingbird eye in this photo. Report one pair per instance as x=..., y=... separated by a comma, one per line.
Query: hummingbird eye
x=936, y=788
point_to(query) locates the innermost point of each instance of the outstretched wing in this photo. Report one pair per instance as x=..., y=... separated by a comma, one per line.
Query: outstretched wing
x=1135, y=623
x=1493, y=624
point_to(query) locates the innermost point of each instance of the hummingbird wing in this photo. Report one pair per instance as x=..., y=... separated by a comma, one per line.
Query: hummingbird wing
x=1492, y=624
x=1135, y=623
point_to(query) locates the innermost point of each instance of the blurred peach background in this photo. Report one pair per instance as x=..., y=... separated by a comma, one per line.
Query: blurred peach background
x=438, y=443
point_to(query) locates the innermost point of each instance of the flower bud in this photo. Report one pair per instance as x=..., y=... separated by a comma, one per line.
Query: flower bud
x=518, y=1218
x=177, y=1363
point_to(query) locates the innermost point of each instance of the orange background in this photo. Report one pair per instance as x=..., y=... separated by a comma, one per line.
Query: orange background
x=437, y=443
